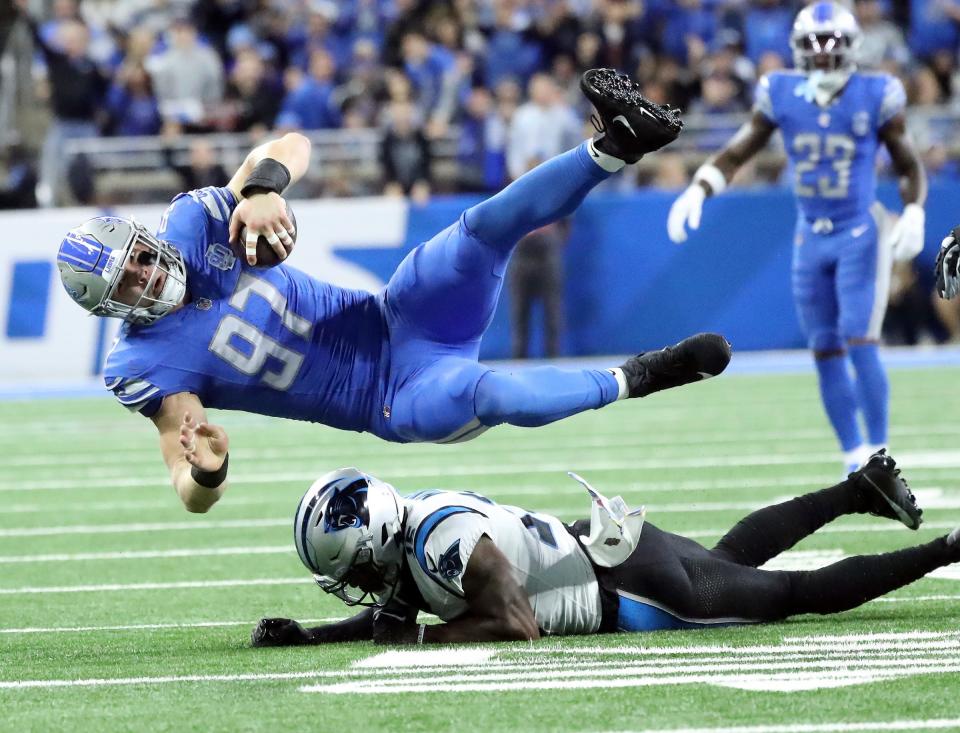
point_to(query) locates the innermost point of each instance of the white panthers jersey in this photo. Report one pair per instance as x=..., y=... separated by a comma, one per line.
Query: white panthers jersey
x=442, y=529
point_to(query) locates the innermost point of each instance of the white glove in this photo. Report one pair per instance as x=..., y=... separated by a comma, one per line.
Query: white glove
x=685, y=212
x=906, y=237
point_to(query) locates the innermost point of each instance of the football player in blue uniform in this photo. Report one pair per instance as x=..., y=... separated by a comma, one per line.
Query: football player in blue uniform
x=832, y=118
x=204, y=328
x=499, y=573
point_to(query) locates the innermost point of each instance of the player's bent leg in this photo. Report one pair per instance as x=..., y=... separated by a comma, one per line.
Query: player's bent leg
x=876, y=489
x=534, y=396
x=767, y=532
x=549, y=192
x=856, y=580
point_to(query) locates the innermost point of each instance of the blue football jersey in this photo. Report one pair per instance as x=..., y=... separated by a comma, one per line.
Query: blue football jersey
x=274, y=341
x=831, y=150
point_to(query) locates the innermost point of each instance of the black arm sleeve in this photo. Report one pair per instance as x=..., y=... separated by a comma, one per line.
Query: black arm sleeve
x=355, y=628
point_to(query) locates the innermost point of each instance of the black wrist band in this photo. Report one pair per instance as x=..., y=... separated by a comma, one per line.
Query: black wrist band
x=268, y=175
x=210, y=479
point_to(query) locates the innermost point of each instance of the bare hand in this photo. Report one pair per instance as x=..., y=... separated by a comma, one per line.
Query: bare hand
x=263, y=214
x=204, y=445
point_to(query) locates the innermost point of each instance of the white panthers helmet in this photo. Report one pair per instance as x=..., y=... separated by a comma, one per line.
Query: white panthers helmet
x=826, y=38
x=91, y=262
x=349, y=525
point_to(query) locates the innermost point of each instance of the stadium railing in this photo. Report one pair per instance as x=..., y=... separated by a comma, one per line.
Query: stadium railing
x=138, y=168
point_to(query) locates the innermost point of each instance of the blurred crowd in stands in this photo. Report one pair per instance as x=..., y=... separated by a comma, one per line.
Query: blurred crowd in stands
x=495, y=79
x=502, y=73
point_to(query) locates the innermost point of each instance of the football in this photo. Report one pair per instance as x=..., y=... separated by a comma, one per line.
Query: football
x=266, y=256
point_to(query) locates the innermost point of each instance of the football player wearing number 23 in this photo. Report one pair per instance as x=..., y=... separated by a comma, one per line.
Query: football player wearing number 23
x=832, y=118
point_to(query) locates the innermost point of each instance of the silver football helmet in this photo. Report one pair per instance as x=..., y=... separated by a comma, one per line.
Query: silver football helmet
x=825, y=40
x=348, y=531
x=91, y=261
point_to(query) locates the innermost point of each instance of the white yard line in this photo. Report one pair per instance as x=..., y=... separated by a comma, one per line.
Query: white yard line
x=136, y=527
x=40, y=590
x=532, y=444
x=148, y=627
x=140, y=527
x=928, y=459
x=149, y=554
x=934, y=724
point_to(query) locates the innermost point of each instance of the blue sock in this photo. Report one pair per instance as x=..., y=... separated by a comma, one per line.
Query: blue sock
x=549, y=192
x=873, y=390
x=535, y=396
x=839, y=400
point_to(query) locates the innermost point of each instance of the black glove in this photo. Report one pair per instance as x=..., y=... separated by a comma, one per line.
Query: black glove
x=947, y=269
x=279, y=632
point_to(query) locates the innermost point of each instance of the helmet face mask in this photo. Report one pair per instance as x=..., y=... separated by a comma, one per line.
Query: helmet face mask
x=348, y=533
x=93, y=261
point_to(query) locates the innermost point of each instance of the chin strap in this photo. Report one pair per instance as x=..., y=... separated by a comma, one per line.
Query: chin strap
x=822, y=86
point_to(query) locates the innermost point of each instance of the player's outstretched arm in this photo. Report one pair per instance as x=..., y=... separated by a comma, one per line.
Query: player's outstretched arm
x=711, y=178
x=194, y=450
x=287, y=632
x=907, y=236
x=266, y=172
x=499, y=607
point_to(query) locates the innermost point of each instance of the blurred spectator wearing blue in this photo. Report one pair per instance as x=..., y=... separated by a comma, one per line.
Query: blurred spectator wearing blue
x=310, y=103
x=427, y=65
x=187, y=78
x=689, y=29
x=766, y=28
x=933, y=27
x=131, y=106
x=319, y=32
x=510, y=51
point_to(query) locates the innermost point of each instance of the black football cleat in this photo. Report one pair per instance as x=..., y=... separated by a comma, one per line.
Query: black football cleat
x=886, y=492
x=629, y=124
x=692, y=360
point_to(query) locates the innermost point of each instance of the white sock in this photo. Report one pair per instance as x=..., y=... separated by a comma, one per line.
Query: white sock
x=874, y=447
x=607, y=162
x=857, y=456
x=623, y=391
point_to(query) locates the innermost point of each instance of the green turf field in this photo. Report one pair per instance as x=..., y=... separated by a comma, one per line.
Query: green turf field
x=120, y=611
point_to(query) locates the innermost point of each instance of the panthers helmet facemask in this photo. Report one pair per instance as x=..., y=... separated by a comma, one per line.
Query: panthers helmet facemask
x=91, y=261
x=825, y=40
x=348, y=531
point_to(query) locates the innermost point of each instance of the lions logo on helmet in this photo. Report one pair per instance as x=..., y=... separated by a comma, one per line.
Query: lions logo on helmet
x=825, y=39
x=91, y=263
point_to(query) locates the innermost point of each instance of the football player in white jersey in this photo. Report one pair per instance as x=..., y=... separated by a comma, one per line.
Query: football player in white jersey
x=492, y=572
